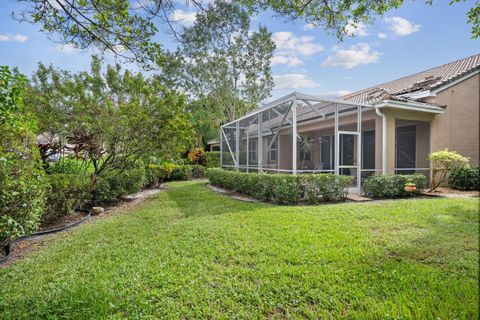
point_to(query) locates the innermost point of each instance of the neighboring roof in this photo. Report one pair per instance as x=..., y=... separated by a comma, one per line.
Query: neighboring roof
x=213, y=141
x=403, y=89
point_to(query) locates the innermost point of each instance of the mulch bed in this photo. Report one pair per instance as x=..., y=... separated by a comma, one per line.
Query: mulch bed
x=451, y=193
x=21, y=248
x=62, y=221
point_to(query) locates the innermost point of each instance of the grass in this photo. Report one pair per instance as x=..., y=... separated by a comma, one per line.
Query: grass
x=191, y=253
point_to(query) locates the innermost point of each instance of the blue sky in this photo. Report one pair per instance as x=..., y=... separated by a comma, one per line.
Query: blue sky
x=405, y=41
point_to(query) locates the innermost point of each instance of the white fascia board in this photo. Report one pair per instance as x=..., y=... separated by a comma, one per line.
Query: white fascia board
x=409, y=106
x=450, y=84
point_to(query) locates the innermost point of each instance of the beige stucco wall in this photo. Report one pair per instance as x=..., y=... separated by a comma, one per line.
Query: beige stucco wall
x=393, y=116
x=458, y=127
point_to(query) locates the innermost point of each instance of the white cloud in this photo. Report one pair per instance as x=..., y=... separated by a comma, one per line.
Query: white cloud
x=289, y=61
x=401, y=26
x=309, y=26
x=66, y=48
x=290, y=45
x=183, y=17
x=359, y=29
x=352, y=57
x=294, y=81
x=382, y=35
x=15, y=38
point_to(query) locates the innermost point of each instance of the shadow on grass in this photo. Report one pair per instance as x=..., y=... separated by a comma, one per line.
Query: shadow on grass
x=195, y=199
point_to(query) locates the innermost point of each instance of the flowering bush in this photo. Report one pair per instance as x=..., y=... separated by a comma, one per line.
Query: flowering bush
x=197, y=156
x=443, y=162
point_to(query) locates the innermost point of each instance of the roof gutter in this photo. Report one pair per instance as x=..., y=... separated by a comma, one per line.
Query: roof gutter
x=384, y=139
x=413, y=106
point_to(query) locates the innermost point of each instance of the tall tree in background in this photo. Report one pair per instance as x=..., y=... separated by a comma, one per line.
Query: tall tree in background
x=223, y=63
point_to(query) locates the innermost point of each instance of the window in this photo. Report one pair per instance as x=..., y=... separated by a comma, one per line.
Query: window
x=368, y=149
x=273, y=149
x=405, y=148
x=252, y=150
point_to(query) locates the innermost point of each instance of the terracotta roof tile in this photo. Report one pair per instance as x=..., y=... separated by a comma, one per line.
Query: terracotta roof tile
x=421, y=81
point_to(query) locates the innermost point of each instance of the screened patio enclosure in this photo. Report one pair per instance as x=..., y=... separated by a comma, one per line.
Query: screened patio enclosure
x=302, y=133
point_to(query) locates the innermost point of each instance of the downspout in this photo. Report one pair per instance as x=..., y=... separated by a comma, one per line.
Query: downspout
x=384, y=139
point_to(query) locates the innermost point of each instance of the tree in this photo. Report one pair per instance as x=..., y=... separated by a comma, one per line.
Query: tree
x=223, y=63
x=335, y=16
x=443, y=162
x=22, y=185
x=110, y=119
x=129, y=31
x=206, y=117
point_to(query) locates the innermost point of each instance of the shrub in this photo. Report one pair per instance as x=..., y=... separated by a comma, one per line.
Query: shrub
x=282, y=188
x=22, y=179
x=198, y=171
x=212, y=159
x=392, y=186
x=197, y=156
x=465, y=178
x=66, y=193
x=111, y=186
x=443, y=162
x=325, y=187
x=154, y=174
x=287, y=189
x=181, y=172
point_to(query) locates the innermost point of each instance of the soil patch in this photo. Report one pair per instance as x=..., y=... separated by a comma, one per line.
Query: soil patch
x=452, y=193
x=23, y=247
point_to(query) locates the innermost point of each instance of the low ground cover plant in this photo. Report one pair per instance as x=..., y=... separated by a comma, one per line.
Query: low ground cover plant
x=283, y=188
x=392, y=186
x=465, y=178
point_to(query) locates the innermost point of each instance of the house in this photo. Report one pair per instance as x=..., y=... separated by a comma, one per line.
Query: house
x=389, y=128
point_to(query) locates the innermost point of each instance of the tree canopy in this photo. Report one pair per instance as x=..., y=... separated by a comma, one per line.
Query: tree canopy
x=335, y=16
x=130, y=29
x=109, y=119
x=220, y=58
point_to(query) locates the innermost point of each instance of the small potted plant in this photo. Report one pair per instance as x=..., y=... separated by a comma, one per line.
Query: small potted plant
x=410, y=187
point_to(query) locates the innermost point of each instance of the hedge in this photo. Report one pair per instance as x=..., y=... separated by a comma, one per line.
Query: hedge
x=392, y=186
x=282, y=188
x=66, y=193
x=213, y=159
x=465, y=178
x=114, y=184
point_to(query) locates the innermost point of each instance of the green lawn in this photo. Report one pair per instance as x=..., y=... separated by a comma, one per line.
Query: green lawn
x=191, y=253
